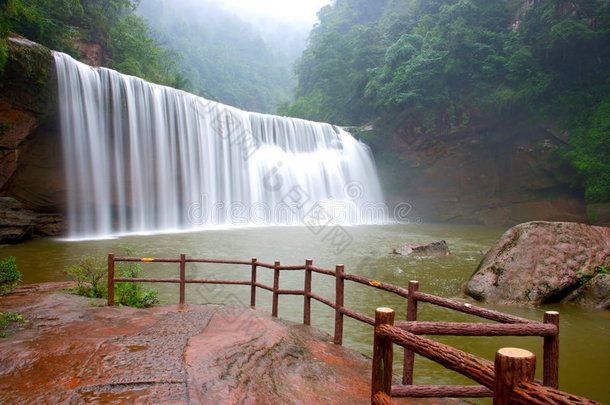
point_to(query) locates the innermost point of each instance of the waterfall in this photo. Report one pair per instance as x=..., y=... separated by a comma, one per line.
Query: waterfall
x=143, y=158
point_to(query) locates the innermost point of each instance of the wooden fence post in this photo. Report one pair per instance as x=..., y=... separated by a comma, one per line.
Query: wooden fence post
x=382, y=355
x=339, y=300
x=550, y=359
x=182, y=278
x=306, y=293
x=512, y=367
x=110, y=279
x=253, y=280
x=409, y=356
x=276, y=287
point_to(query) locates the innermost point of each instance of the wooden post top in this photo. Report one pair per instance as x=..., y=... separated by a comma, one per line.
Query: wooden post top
x=515, y=352
x=384, y=310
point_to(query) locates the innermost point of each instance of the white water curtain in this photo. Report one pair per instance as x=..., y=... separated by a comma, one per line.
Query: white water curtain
x=143, y=158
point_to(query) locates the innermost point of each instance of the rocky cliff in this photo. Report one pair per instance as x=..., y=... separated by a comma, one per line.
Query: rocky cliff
x=498, y=170
x=30, y=148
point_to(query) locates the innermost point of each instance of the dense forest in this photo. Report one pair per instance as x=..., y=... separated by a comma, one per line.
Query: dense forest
x=195, y=46
x=458, y=58
x=65, y=25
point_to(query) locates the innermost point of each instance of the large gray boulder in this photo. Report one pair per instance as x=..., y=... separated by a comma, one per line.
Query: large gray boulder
x=541, y=262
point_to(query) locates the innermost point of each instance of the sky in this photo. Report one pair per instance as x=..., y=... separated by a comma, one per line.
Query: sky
x=303, y=11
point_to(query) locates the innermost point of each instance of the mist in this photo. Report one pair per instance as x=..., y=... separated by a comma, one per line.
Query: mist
x=232, y=52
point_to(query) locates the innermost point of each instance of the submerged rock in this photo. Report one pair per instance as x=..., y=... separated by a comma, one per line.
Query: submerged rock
x=541, y=262
x=595, y=292
x=437, y=248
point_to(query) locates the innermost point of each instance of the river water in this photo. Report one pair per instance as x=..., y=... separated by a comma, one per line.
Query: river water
x=364, y=250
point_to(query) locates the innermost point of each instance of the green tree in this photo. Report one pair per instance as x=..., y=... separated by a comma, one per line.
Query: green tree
x=456, y=58
x=9, y=275
x=589, y=153
x=135, y=53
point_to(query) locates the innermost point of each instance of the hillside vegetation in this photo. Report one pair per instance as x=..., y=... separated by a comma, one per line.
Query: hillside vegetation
x=65, y=25
x=223, y=57
x=452, y=60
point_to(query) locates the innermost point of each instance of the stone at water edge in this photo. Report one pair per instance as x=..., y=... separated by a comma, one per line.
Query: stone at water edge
x=18, y=224
x=436, y=248
x=596, y=291
x=540, y=262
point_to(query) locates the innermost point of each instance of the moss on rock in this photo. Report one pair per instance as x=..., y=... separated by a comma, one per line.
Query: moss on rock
x=28, y=80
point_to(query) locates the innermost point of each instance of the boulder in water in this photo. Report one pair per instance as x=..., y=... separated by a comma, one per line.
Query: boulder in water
x=542, y=262
x=436, y=248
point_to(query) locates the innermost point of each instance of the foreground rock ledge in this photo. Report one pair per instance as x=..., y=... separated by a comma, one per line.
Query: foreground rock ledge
x=73, y=351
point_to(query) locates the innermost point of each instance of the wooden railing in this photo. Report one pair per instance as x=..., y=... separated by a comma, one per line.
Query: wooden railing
x=510, y=380
x=338, y=273
x=509, y=325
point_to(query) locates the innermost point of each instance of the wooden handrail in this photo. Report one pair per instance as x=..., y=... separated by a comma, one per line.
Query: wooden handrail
x=521, y=389
x=477, y=329
x=469, y=309
x=510, y=325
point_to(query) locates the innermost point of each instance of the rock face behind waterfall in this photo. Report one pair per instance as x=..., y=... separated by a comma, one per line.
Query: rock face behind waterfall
x=31, y=171
x=491, y=171
x=541, y=262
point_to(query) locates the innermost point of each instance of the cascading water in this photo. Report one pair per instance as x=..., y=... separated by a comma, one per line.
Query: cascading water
x=145, y=158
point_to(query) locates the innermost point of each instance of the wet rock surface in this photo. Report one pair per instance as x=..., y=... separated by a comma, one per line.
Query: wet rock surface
x=75, y=350
x=18, y=224
x=542, y=262
x=436, y=248
x=499, y=171
x=31, y=168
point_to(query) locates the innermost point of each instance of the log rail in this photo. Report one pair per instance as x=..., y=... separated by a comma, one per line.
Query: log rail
x=510, y=380
x=507, y=324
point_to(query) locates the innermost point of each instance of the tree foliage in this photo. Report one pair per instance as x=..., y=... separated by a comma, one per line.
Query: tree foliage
x=367, y=59
x=91, y=274
x=9, y=275
x=64, y=24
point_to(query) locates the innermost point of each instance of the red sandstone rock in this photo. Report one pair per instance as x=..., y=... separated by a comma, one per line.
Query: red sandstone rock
x=538, y=262
x=31, y=170
x=75, y=350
